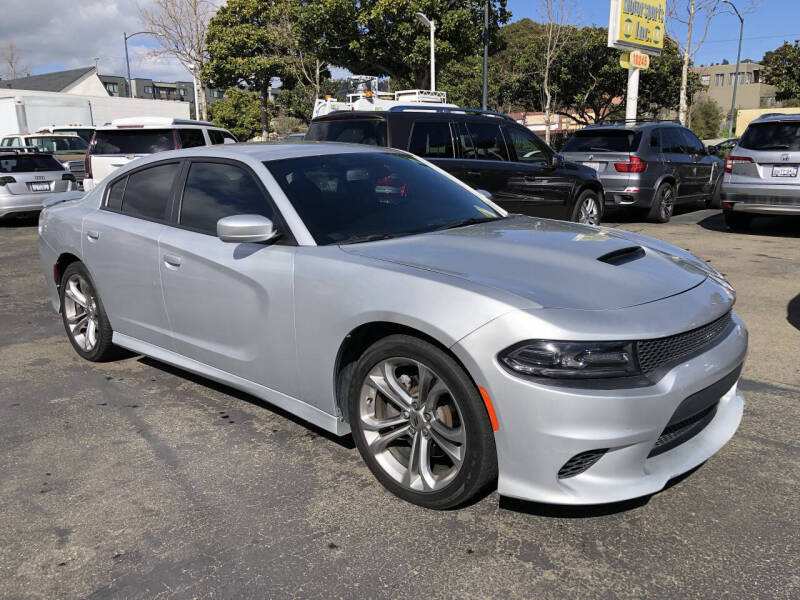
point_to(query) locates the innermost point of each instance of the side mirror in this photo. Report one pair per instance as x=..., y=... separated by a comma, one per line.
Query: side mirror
x=485, y=194
x=246, y=228
x=228, y=141
x=557, y=161
x=712, y=149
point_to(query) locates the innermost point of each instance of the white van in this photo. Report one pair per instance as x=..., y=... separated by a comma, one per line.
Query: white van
x=123, y=140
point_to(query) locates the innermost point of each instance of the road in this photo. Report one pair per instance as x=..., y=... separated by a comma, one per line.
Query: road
x=131, y=479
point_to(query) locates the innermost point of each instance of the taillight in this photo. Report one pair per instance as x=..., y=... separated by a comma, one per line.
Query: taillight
x=634, y=165
x=87, y=161
x=732, y=159
x=5, y=180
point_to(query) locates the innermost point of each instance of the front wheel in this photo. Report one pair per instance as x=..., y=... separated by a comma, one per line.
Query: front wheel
x=588, y=209
x=663, y=204
x=420, y=424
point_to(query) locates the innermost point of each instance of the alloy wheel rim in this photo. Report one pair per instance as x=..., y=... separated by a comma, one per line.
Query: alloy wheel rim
x=589, y=213
x=80, y=312
x=412, y=424
x=667, y=204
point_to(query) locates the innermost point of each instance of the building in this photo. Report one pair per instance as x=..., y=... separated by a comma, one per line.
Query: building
x=88, y=82
x=751, y=91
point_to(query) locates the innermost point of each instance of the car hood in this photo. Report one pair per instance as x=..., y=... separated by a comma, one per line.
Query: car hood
x=556, y=264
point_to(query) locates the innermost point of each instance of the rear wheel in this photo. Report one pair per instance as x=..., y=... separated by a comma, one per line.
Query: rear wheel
x=588, y=209
x=420, y=424
x=83, y=315
x=663, y=204
x=736, y=221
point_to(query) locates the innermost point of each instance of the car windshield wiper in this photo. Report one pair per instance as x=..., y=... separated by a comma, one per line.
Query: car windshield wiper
x=465, y=222
x=775, y=147
x=373, y=237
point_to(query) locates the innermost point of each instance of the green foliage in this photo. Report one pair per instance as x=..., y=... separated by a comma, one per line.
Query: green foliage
x=298, y=101
x=782, y=69
x=707, y=116
x=792, y=103
x=659, y=86
x=239, y=112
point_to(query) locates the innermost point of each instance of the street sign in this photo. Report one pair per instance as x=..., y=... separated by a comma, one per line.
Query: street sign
x=637, y=25
x=636, y=59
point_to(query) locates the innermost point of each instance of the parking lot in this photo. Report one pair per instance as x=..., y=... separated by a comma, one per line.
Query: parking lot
x=133, y=479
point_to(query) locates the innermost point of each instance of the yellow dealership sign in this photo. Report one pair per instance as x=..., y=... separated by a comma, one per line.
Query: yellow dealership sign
x=637, y=25
x=637, y=59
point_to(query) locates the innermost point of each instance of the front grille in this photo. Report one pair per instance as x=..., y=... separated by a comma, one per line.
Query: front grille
x=677, y=433
x=580, y=462
x=662, y=351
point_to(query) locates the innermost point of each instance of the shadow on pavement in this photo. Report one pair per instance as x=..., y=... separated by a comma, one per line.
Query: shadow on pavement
x=793, y=312
x=783, y=226
x=614, y=214
x=23, y=220
x=344, y=441
x=561, y=511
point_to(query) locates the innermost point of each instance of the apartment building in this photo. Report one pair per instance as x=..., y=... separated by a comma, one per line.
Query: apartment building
x=179, y=91
x=751, y=91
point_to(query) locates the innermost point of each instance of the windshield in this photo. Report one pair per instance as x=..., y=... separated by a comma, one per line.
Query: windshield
x=133, y=141
x=58, y=144
x=371, y=132
x=772, y=136
x=86, y=134
x=603, y=141
x=29, y=164
x=372, y=195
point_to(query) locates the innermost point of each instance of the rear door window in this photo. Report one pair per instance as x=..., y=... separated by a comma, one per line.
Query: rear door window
x=609, y=140
x=772, y=136
x=29, y=164
x=217, y=190
x=215, y=135
x=133, y=141
x=371, y=132
x=693, y=143
x=115, y=193
x=431, y=140
x=191, y=138
x=487, y=141
x=673, y=141
x=148, y=191
x=227, y=135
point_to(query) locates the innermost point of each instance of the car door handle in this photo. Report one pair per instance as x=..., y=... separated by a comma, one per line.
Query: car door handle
x=172, y=260
x=93, y=235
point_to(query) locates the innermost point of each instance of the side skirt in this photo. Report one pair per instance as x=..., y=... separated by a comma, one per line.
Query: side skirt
x=297, y=407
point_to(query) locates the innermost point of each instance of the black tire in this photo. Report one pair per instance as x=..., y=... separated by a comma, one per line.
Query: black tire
x=582, y=200
x=478, y=469
x=736, y=221
x=663, y=204
x=103, y=349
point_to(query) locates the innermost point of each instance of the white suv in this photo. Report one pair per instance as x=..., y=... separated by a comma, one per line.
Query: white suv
x=123, y=140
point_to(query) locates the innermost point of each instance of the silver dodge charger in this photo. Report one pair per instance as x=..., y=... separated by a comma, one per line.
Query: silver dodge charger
x=369, y=292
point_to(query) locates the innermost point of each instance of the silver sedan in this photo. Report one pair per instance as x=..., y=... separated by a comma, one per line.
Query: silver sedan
x=367, y=291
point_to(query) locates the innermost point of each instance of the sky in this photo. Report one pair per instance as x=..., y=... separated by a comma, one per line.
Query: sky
x=63, y=34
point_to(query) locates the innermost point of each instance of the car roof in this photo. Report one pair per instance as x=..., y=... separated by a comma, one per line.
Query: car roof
x=417, y=112
x=772, y=117
x=43, y=134
x=152, y=123
x=630, y=126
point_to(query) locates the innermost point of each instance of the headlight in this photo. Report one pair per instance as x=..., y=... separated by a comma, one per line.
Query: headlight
x=567, y=360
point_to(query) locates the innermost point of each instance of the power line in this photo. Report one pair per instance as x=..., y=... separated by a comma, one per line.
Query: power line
x=758, y=37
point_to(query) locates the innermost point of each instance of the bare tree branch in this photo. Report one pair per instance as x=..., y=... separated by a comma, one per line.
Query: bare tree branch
x=11, y=59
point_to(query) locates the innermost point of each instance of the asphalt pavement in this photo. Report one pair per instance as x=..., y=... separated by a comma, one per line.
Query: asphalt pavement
x=131, y=479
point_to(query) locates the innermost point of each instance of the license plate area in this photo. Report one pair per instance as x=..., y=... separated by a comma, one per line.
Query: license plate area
x=592, y=165
x=40, y=187
x=784, y=171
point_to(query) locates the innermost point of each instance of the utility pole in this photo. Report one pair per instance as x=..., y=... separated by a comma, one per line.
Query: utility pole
x=432, y=26
x=484, y=102
x=127, y=61
x=736, y=74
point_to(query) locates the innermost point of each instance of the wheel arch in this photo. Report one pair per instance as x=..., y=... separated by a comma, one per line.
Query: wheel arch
x=64, y=260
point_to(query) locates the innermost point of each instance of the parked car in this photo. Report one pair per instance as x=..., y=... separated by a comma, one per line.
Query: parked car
x=27, y=178
x=84, y=131
x=70, y=149
x=649, y=166
x=124, y=140
x=365, y=290
x=486, y=150
x=723, y=148
x=761, y=172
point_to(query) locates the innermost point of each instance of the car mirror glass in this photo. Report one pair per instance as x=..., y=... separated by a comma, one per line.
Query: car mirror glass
x=246, y=228
x=486, y=194
x=557, y=161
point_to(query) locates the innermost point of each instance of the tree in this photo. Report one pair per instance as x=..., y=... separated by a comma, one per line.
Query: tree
x=707, y=116
x=239, y=112
x=296, y=101
x=782, y=69
x=12, y=61
x=179, y=26
x=556, y=36
x=250, y=43
x=659, y=86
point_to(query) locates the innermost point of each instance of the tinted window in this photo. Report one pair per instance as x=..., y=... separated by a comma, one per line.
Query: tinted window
x=431, y=140
x=772, y=136
x=133, y=141
x=191, y=138
x=608, y=140
x=672, y=141
x=28, y=164
x=216, y=190
x=115, y=192
x=346, y=197
x=693, y=143
x=148, y=190
x=58, y=144
x=655, y=141
x=86, y=134
x=528, y=147
x=366, y=131
x=464, y=141
x=215, y=135
x=487, y=141
x=229, y=136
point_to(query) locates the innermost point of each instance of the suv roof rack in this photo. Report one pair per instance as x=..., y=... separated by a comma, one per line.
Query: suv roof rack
x=449, y=110
x=156, y=121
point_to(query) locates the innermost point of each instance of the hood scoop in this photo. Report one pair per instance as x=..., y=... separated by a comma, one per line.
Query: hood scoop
x=623, y=255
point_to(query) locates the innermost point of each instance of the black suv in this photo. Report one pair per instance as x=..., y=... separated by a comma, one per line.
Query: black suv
x=486, y=150
x=649, y=165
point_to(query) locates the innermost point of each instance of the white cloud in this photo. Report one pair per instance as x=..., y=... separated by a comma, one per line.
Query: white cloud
x=52, y=35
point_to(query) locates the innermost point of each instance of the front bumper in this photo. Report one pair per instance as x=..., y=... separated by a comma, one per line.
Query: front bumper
x=541, y=427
